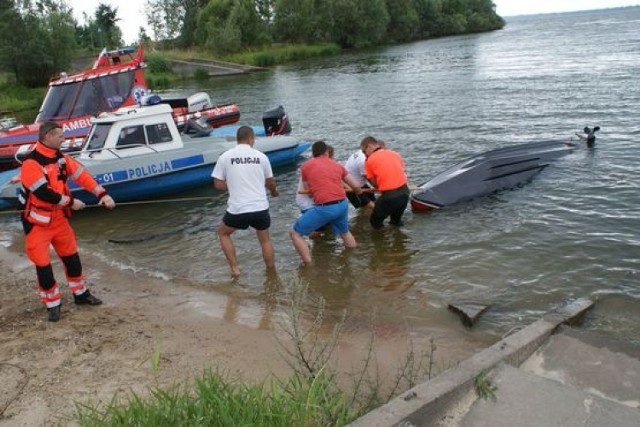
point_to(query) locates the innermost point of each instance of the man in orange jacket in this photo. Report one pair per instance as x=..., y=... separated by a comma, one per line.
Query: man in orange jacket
x=47, y=203
x=384, y=169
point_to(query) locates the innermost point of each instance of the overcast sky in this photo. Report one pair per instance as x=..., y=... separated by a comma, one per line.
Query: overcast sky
x=132, y=15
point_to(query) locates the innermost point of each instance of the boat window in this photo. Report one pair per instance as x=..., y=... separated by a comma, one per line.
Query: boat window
x=103, y=93
x=98, y=136
x=131, y=136
x=95, y=95
x=117, y=87
x=91, y=100
x=158, y=133
x=58, y=102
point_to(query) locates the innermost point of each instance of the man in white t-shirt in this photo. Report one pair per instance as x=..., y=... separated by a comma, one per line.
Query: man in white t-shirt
x=245, y=172
x=355, y=166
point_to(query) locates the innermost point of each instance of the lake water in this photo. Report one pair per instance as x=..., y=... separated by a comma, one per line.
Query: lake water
x=574, y=231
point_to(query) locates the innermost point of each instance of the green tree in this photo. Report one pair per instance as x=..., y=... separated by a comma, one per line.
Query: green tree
x=106, y=20
x=428, y=12
x=293, y=21
x=359, y=23
x=404, y=22
x=38, y=39
x=11, y=26
x=304, y=21
x=174, y=21
x=86, y=33
x=323, y=22
x=143, y=37
x=59, y=26
x=165, y=17
x=265, y=10
x=229, y=25
x=190, y=22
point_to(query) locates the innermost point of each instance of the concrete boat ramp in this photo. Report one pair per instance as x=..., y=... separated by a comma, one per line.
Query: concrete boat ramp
x=547, y=374
x=212, y=67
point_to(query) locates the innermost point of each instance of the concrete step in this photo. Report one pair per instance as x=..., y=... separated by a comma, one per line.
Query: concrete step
x=445, y=399
x=527, y=400
x=590, y=362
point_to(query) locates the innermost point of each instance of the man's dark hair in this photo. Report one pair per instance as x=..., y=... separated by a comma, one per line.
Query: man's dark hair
x=330, y=150
x=46, y=128
x=318, y=148
x=366, y=141
x=244, y=134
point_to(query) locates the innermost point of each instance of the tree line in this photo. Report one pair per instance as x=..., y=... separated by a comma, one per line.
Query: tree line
x=41, y=37
x=226, y=26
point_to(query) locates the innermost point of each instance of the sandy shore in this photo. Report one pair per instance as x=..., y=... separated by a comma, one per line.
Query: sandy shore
x=93, y=353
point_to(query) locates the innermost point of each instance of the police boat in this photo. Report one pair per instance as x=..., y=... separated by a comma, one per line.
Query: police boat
x=137, y=153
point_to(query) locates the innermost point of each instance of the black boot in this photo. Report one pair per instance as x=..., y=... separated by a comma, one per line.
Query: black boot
x=86, y=298
x=53, y=313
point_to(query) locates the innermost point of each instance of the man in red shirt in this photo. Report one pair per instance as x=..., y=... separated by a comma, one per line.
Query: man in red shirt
x=385, y=170
x=325, y=178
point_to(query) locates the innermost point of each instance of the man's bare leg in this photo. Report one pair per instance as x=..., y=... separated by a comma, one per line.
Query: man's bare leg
x=301, y=246
x=229, y=250
x=267, y=248
x=348, y=239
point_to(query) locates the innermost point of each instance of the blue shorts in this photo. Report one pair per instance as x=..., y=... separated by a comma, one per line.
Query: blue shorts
x=336, y=214
x=260, y=220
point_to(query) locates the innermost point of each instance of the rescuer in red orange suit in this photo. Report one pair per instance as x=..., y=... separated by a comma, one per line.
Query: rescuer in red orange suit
x=47, y=203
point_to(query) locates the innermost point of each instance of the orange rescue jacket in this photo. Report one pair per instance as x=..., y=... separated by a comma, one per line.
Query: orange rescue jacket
x=44, y=176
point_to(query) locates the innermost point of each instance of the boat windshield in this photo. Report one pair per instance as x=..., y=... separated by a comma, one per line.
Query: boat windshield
x=98, y=136
x=87, y=97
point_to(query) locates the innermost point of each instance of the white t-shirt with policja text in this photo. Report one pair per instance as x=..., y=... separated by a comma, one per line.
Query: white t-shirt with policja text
x=245, y=171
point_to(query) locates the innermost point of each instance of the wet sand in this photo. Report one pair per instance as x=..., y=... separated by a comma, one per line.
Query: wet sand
x=93, y=353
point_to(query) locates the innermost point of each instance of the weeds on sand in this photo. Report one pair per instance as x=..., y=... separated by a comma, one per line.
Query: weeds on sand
x=310, y=396
x=484, y=387
x=308, y=351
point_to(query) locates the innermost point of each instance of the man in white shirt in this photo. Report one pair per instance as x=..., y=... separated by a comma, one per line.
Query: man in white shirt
x=245, y=172
x=355, y=167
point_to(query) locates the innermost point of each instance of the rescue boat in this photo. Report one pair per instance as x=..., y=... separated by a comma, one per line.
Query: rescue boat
x=114, y=81
x=486, y=173
x=138, y=153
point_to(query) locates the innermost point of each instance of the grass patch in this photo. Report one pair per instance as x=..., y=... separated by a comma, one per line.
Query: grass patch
x=265, y=57
x=200, y=74
x=157, y=62
x=158, y=73
x=160, y=80
x=280, y=54
x=217, y=400
x=313, y=395
x=23, y=101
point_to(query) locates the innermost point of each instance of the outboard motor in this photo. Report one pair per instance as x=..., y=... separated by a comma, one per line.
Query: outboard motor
x=198, y=101
x=276, y=122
